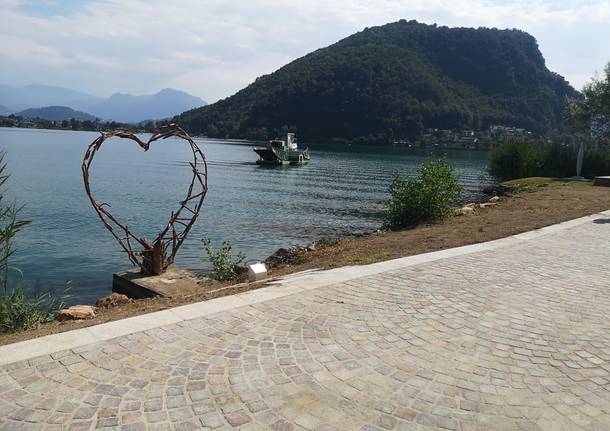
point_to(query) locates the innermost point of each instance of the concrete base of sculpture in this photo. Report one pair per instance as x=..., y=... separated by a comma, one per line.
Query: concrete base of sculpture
x=172, y=283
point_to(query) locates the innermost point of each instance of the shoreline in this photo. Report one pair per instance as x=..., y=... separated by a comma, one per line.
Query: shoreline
x=247, y=142
x=528, y=206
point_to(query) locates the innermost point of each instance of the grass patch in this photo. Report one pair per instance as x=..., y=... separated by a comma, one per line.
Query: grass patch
x=529, y=182
x=327, y=242
x=297, y=258
x=366, y=258
x=532, y=184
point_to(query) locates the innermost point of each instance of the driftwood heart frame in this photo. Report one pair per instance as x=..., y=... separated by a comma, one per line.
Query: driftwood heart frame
x=155, y=258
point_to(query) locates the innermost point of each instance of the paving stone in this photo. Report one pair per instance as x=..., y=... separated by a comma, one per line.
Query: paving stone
x=281, y=425
x=153, y=405
x=212, y=420
x=237, y=418
x=386, y=422
x=85, y=413
x=187, y=426
x=110, y=421
x=80, y=426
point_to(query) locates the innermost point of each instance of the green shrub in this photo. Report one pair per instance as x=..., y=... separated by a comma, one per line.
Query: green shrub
x=18, y=310
x=224, y=265
x=515, y=159
x=428, y=196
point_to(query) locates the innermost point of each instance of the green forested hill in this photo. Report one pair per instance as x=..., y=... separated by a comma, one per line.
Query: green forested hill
x=394, y=81
x=55, y=113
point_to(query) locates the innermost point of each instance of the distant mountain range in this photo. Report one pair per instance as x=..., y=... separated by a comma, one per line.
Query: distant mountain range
x=119, y=107
x=131, y=109
x=394, y=82
x=55, y=113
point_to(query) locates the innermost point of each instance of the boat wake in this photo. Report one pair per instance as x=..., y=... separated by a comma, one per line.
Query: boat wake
x=216, y=163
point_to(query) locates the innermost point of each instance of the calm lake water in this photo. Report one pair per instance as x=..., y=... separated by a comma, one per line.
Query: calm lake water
x=258, y=209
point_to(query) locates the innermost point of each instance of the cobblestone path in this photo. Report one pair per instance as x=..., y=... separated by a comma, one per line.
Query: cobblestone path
x=516, y=338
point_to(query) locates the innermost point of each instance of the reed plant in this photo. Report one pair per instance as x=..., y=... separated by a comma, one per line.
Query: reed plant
x=529, y=158
x=19, y=309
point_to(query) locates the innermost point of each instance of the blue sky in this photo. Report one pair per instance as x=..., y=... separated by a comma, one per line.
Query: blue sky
x=212, y=48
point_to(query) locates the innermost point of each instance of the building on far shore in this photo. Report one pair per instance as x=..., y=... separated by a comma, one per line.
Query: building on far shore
x=498, y=131
x=466, y=139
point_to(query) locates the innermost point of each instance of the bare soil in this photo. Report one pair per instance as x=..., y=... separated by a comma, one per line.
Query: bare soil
x=531, y=204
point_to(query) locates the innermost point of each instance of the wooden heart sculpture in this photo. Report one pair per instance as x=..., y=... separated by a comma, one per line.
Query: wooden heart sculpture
x=155, y=258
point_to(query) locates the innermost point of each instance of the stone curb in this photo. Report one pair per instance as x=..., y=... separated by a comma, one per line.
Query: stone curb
x=289, y=285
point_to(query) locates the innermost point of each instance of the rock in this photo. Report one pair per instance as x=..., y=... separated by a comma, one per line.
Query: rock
x=112, y=300
x=277, y=258
x=464, y=211
x=241, y=270
x=487, y=204
x=76, y=312
x=472, y=205
x=496, y=190
x=494, y=199
x=311, y=247
x=284, y=256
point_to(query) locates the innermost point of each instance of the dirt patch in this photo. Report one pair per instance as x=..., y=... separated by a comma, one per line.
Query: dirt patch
x=531, y=204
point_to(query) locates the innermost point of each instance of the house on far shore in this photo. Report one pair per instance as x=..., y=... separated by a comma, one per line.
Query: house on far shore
x=26, y=124
x=466, y=139
x=508, y=132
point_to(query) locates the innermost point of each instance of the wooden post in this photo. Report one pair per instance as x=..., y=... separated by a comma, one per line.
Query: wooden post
x=152, y=259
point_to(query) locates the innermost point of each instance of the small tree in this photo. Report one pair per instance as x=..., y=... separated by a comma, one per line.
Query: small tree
x=224, y=264
x=428, y=196
x=591, y=114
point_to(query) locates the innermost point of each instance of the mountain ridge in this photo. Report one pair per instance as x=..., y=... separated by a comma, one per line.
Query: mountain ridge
x=55, y=113
x=394, y=81
x=122, y=107
x=132, y=109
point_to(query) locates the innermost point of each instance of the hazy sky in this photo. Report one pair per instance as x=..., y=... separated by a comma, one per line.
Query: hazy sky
x=212, y=48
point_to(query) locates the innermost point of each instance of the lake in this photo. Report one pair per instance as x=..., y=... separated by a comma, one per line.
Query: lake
x=259, y=209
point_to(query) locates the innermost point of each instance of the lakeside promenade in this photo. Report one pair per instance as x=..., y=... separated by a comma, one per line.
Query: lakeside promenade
x=508, y=335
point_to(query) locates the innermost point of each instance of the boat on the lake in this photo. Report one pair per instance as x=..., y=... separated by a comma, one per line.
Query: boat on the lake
x=282, y=152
